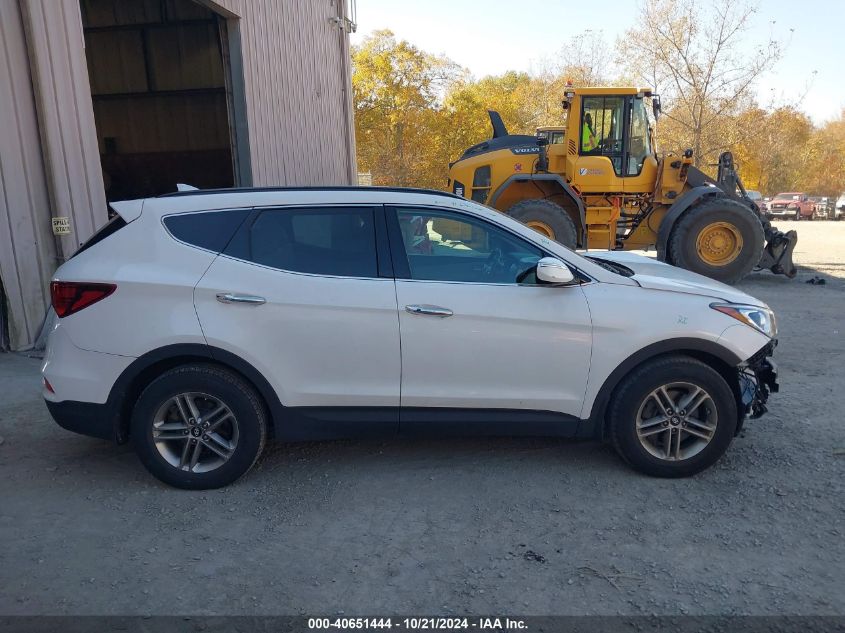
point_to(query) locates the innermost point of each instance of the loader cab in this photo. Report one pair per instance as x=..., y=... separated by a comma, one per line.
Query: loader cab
x=553, y=135
x=614, y=143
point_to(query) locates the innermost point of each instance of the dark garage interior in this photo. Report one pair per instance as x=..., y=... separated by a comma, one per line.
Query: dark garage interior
x=159, y=89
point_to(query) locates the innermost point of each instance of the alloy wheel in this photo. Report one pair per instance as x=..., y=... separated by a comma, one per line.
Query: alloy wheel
x=676, y=421
x=195, y=432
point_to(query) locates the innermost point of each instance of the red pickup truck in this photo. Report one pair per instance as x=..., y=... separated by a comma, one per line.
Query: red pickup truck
x=791, y=205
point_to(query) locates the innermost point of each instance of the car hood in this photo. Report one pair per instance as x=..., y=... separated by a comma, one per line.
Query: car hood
x=657, y=275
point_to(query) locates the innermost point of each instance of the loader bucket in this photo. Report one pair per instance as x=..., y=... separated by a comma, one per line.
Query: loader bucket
x=777, y=254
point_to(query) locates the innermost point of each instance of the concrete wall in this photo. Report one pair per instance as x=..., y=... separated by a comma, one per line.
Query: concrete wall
x=291, y=76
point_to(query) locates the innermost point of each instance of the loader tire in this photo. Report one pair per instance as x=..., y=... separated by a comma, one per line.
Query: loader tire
x=720, y=238
x=547, y=218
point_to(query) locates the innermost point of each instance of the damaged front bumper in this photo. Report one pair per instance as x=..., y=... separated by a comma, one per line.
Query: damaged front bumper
x=758, y=377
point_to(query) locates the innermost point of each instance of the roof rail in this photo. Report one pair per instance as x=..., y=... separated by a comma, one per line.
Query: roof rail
x=201, y=192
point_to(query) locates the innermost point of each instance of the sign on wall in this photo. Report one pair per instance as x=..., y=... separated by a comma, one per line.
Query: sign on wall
x=61, y=225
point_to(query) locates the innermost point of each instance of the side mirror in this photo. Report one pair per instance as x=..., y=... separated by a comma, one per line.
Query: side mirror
x=553, y=271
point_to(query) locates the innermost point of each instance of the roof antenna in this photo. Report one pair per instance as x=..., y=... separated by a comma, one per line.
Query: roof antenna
x=183, y=187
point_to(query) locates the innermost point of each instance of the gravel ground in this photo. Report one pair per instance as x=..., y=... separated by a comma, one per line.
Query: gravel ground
x=516, y=526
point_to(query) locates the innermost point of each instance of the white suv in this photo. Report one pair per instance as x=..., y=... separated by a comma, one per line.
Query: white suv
x=199, y=325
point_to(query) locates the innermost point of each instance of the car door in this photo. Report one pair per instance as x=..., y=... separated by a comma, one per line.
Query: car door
x=301, y=294
x=478, y=331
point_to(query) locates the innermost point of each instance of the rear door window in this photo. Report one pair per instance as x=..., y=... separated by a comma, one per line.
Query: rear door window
x=337, y=241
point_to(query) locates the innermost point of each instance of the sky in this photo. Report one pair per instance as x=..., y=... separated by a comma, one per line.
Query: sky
x=492, y=36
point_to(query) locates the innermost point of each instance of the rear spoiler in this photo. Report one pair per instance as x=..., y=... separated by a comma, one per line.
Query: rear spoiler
x=128, y=209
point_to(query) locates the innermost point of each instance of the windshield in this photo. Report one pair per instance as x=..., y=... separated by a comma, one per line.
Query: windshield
x=787, y=196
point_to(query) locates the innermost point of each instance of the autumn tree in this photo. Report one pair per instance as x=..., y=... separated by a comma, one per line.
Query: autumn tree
x=823, y=164
x=416, y=112
x=397, y=91
x=697, y=57
x=770, y=155
x=584, y=60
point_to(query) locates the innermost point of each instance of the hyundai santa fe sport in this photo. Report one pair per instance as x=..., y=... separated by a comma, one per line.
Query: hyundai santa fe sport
x=200, y=325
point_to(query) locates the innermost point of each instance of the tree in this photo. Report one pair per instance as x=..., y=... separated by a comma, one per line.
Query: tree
x=415, y=112
x=697, y=59
x=771, y=155
x=397, y=90
x=823, y=165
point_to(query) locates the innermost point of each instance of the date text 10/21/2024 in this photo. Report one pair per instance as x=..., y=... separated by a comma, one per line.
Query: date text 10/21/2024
x=418, y=623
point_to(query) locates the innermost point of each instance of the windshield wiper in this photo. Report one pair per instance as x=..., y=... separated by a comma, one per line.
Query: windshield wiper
x=613, y=267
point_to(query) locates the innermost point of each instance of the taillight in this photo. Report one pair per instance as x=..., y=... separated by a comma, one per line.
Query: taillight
x=72, y=296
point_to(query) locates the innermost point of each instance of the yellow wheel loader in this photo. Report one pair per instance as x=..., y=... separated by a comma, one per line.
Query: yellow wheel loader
x=597, y=183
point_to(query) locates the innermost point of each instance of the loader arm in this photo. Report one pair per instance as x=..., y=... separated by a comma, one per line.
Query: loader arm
x=777, y=252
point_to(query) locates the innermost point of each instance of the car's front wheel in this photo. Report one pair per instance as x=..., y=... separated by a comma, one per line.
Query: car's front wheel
x=198, y=427
x=672, y=417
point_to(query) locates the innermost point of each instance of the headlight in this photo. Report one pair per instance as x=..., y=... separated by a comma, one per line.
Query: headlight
x=761, y=319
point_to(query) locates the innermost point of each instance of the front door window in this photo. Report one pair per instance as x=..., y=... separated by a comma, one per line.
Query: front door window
x=444, y=246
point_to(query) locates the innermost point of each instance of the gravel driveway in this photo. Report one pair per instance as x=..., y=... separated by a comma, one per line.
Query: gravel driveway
x=517, y=526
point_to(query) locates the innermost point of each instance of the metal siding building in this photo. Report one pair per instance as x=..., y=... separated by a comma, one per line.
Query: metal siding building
x=107, y=99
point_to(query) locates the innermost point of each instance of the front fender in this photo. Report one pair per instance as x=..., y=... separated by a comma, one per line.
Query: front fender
x=582, y=212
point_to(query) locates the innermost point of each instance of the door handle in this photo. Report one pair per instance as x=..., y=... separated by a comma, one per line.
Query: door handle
x=429, y=310
x=228, y=297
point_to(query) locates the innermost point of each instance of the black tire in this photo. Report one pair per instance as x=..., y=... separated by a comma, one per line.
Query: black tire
x=550, y=214
x=682, y=241
x=634, y=389
x=219, y=383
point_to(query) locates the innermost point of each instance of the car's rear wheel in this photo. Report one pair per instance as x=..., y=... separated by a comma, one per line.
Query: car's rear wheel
x=198, y=427
x=672, y=417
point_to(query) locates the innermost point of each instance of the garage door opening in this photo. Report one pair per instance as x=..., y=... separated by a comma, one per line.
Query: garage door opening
x=162, y=92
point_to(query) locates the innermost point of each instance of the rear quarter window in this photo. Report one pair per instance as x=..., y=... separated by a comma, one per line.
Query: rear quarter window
x=108, y=229
x=210, y=230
